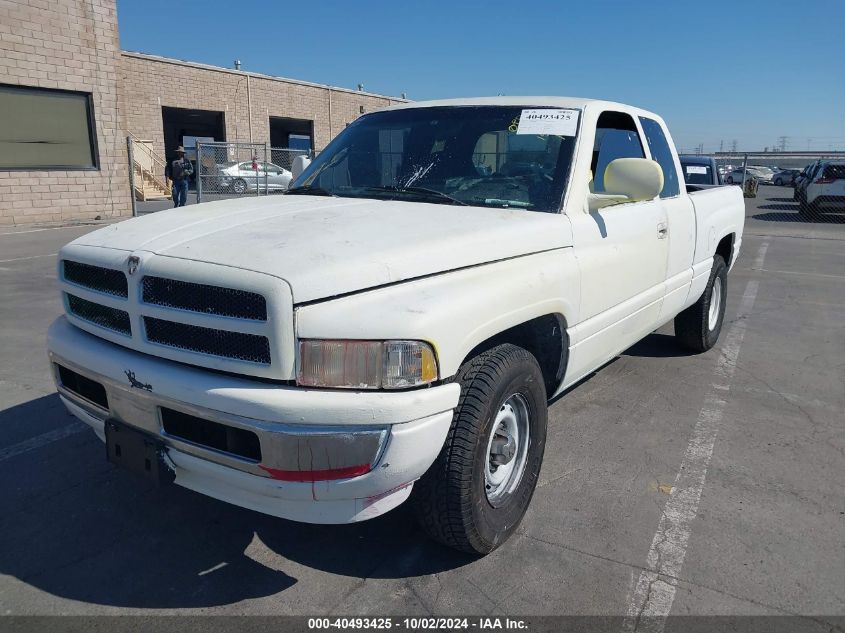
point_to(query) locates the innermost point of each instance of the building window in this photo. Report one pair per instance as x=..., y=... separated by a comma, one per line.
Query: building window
x=46, y=129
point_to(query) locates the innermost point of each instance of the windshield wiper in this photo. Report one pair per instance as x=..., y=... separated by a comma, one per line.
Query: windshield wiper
x=308, y=190
x=499, y=202
x=423, y=191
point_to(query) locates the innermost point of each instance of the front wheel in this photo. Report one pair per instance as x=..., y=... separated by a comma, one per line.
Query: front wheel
x=778, y=182
x=478, y=489
x=239, y=186
x=698, y=327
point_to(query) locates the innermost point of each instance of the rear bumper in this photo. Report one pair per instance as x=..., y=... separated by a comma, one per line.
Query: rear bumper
x=829, y=202
x=398, y=434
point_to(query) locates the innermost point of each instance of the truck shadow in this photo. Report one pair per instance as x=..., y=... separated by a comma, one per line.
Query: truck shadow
x=657, y=345
x=79, y=529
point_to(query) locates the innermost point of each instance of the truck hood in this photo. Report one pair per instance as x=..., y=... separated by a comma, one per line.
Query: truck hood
x=323, y=247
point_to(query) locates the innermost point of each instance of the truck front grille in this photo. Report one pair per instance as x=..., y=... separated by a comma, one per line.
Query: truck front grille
x=106, y=280
x=104, y=316
x=228, y=302
x=198, y=313
x=237, y=345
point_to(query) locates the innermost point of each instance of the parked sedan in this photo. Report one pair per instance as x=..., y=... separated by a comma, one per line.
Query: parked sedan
x=242, y=177
x=786, y=176
x=735, y=177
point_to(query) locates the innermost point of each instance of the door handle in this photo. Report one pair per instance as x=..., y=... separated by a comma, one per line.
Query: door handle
x=662, y=231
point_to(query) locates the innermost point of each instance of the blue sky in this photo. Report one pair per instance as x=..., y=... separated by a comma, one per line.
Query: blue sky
x=716, y=71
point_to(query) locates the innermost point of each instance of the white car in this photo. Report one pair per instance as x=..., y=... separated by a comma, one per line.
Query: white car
x=248, y=176
x=395, y=325
x=824, y=189
x=762, y=174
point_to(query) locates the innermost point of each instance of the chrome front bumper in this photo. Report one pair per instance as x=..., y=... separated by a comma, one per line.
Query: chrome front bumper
x=301, y=432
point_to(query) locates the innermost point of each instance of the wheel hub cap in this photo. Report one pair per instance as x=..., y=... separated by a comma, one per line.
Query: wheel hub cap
x=503, y=449
x=715, y=304
x=507, y=450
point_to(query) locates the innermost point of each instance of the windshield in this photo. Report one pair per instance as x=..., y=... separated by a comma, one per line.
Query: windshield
x=473, y=155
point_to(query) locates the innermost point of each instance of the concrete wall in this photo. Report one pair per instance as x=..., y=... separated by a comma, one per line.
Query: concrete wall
x=149, y=82
x=71, y=45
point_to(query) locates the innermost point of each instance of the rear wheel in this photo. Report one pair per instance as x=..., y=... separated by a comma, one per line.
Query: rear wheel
x=478, y=489
x=239, y=186
x=807, y=211
x=778, y=182
x=698, y=327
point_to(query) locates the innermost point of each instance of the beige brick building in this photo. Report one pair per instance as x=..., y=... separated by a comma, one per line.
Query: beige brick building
x=61, y=59
x=71, y=45
x=247, y=101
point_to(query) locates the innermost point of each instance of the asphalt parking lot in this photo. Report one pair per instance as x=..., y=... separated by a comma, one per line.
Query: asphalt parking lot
x=693, y=484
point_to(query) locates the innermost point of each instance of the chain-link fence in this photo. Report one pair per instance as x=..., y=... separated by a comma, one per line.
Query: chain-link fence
x=283, y=157
x=226, y=170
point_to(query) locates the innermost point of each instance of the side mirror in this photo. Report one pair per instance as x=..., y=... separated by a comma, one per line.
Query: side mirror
x=635, y=178
x=300, y=164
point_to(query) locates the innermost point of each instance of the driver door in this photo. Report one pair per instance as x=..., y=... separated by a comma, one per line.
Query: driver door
x=622, y=252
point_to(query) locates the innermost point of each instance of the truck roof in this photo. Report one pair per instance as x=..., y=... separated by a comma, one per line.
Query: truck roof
x=527, y=101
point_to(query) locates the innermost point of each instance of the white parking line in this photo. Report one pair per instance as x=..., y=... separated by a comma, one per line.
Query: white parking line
x=50, y=228
x=654, y=592
x=20, y=259
x=798, y=272
x=41, y=440
x=761, y=256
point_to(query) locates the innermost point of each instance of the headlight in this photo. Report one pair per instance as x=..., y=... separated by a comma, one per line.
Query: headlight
x=365, y=364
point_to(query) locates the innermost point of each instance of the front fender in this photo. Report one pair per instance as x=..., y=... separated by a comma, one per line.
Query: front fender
x=454, y=311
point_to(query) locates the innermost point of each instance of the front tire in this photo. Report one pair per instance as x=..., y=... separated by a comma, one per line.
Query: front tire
x=778, y=182
x=478, y=489
x=239, y=186
x=697, y=328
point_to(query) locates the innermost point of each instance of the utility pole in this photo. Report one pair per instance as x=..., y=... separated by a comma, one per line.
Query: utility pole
x=721, y=145
x=733, y=145
x=782, y=143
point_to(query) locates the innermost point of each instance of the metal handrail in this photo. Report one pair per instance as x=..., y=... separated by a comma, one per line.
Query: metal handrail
x=156, y=173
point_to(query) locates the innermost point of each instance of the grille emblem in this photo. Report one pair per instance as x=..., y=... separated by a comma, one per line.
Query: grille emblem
x=137, y=384
x=132, y=264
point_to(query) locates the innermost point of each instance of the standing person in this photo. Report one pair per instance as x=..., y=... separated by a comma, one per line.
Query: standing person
x=179, y=171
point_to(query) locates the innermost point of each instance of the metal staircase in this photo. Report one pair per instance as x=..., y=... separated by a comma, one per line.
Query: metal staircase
x=148, y=180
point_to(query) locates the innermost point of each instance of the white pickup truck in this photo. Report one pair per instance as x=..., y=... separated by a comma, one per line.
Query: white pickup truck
x=394, y=325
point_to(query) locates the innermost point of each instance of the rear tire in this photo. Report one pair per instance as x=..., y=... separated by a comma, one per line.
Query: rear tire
x=239, y=186
x=697, y=328
x=478, y=489
x=806, y=211
x=778, y=182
